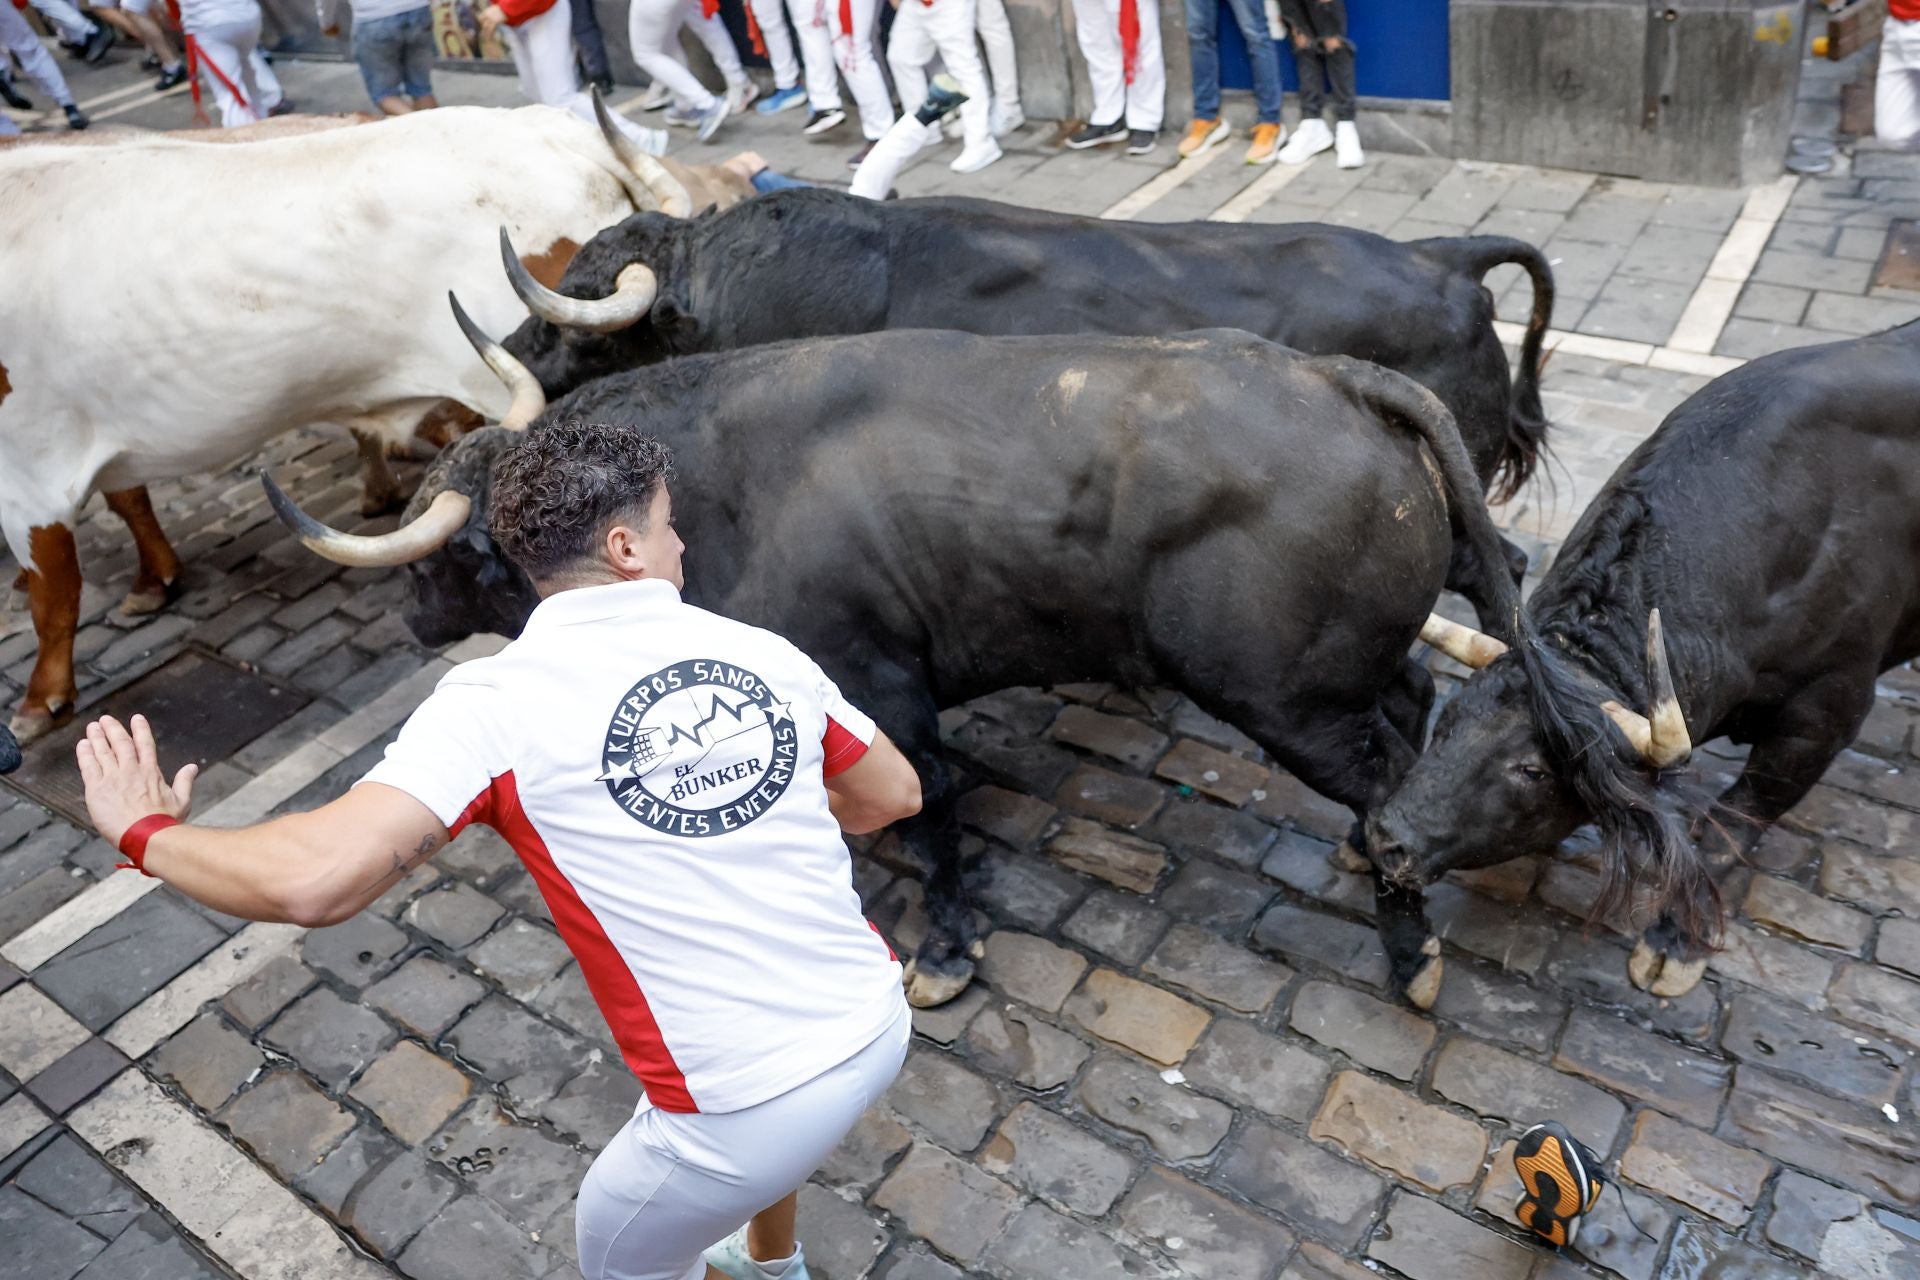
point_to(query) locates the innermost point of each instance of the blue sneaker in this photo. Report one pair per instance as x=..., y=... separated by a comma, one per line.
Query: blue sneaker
x=781, y=100
x=731, y=1256
x=709, y=120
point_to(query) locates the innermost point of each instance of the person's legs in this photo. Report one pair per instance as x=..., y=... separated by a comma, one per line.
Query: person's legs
x=222, y=53
x=376, y=49
x=267, y=95
x=771, y=22
x=1147, y=95
x=1896, y=88
x=952, y=28
x=651, y=24
x=713, y=33
x=141, y=25
x=854, y=51
x=68, y=23
x=1203, y=48
x=883, y=163
x=416, y=57
x=1262, y=57
x=17, y=38
x=815, y=31
x=909, y=49
x=1336, y=52
x=1096, y=27
x=996, y=34
x=670, y=1186
x=591, y=44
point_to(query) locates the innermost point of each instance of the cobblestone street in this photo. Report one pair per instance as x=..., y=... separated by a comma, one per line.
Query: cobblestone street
x=1180, y=1058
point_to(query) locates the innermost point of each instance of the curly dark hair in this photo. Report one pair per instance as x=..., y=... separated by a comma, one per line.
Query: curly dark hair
x=563, y=483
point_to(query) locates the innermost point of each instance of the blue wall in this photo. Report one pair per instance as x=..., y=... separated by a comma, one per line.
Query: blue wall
x=1401, y=46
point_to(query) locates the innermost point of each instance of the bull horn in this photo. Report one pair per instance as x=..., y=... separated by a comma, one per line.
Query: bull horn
x=529, y=401
x=1662, y=738
x=1464, y=645
x=633, y=293
x=1670, y=743
x=426, y=533
x=661, y=187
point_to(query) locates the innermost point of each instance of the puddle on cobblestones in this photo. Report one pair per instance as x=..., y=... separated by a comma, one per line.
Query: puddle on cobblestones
x=201, y=709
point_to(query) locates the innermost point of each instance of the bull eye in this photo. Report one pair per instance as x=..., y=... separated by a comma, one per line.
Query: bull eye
x=1534, y=774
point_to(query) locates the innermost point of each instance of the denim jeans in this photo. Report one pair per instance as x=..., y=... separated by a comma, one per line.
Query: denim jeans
x=396, y=54
x=1203, y=38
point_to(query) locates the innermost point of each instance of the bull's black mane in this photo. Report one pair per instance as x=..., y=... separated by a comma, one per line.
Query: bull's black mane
x=1585, y=640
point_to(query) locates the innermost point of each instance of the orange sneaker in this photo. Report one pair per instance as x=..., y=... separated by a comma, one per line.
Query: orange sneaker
x=1265, y=145
x=1203, y=135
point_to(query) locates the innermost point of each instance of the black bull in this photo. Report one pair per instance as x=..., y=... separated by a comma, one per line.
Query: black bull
x=1774, y=522
x=812, y=263
x=934, y=516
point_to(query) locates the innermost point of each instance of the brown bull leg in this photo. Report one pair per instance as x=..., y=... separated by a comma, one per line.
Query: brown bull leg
x=54, y=590
x=159, y=566
x=379, y=487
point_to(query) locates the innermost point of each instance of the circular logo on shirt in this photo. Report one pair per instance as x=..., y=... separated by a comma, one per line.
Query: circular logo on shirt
x=699, y=748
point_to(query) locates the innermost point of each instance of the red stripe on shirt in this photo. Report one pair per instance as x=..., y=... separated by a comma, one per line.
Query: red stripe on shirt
x=842, y=747
x=614, y=989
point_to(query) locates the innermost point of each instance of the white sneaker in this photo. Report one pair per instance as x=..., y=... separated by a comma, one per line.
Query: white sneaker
x=730, y=1256
x=1308, y=141
x=1346, y=146
x=954, y=127
x=974, y=159
x=709, y=120
x=1005, y=122
x=658, y=98
x=741, y=95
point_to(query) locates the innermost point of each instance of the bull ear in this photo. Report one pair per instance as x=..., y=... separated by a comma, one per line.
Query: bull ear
x=671, y=317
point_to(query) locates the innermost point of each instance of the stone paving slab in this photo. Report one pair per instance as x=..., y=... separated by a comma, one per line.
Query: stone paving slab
x=1180, y=1059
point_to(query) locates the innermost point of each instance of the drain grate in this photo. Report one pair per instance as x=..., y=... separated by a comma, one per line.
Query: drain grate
x=201, y=709
x=1900, y=263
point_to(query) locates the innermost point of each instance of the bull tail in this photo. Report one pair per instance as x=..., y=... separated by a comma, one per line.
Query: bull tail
x=1526, y=418
x=1401, y=399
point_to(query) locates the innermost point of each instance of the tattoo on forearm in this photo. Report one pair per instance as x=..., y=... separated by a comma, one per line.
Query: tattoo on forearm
x=403, y=863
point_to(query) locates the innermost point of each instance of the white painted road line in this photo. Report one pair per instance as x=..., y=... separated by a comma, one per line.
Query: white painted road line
x=1142, y=197
x=1257, y=193
x=68, y=924
x=114, y=95
x=1711, y=306
x=226, y=967
x=137, y=103
x=255, y=1225
x=1621, y=352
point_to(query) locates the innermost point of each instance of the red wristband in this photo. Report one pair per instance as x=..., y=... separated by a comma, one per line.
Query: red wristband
x=134, y=843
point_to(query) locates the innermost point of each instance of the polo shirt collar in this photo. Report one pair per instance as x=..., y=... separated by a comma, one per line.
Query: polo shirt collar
x=595, y=604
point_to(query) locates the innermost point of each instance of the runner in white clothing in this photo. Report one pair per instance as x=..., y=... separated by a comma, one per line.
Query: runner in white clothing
x=677, y=784
x=223, y=41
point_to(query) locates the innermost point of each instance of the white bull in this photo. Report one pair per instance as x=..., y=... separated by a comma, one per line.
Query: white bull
x=275, y=283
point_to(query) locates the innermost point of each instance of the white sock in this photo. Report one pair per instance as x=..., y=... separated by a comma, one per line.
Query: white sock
x=778, y=1268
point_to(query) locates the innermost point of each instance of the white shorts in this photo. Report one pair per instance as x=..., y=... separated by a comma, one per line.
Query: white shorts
x=671, y=1184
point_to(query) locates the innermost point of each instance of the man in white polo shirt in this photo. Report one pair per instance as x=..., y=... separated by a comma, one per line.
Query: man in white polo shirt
x=677, y=783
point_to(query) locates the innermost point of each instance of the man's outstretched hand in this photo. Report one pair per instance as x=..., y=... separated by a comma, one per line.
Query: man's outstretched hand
x=121, y=767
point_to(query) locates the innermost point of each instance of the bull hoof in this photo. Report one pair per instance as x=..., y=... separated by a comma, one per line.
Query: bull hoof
x=32, y=723
x=1663, y=975
x=1347, y=858
x=144, y=600
x=929, y=987
x=1424, y=988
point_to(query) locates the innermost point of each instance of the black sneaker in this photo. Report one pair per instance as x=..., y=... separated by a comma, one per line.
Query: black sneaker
x=819, y=122
x=1141, y=141
x=171, y=76
x=943, y=95
x=76, y=118
x=1098, y=135
x=150, y=63
x=13, y=97
x=97, y=43
x=284, y=107
x=604, y=83
x=860, y=156
x=1560, y=1179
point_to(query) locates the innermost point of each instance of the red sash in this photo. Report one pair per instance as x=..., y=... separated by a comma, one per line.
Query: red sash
x=1129, y=37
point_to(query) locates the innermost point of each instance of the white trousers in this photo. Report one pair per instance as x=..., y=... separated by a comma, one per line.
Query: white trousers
x=18, y=39
x=772, y=21
x=542, y=49
x=1896, y=91
x=996, y=33
x=815, y=30
x=1144, y=102
x=669, y=1184
x=860, y=64
x=653, y=33
x=72, y=25
x=232, y=49
x=945, y=27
